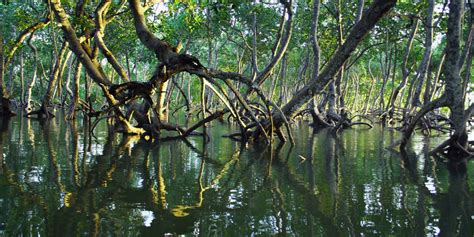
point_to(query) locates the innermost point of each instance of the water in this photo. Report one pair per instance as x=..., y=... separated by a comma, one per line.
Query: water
x=55, y=180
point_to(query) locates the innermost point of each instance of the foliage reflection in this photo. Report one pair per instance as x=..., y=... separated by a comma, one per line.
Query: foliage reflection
x=56, y=178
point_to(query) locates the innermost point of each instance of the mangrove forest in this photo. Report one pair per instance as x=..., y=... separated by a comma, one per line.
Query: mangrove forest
x=236, y=118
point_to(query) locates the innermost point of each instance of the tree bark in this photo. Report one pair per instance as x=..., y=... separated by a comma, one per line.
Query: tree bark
x=100, y=22
x=163, y=51
x=376, y=11
x=75, y=93
x=338, y=93
x=425, y=62
x=371, y=88
x=75, y=45
x=404, y=69
x=5, y=101
x=437, y=88
x=22, y=80
x=454, y=88
x=452, y=97
x=5, y=60
x=21, y=38
x=254, y=44
x=467, y=54
x=43, y=111
x=284, y=41
x=29, y=93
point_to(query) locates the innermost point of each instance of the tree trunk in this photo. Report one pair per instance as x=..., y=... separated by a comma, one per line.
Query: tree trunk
x=425, y=62
x=332, y=97
x=284, y=68
x=454, y=88
x=356, y=93
x=371, y=88
x=339, y=96
x=5, y=100
x=68, y=83
x=466, y=56
x=29, y=93
x=404, y=69
x=436, y=87
x=100, y=22
x=254, y=44
x=43, y=111
x=386, y=67
x=58, y=91
x=22, y=80
x=75, y=92
x=281, y=45
x=457, y=144
x=75, y=45
x=376, y=11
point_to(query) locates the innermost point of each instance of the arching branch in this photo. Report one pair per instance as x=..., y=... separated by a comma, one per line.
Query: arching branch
x=21, y=38
x=101, y=22
x=70, y=35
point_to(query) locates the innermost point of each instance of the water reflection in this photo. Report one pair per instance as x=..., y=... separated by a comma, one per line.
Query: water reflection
x=57, y=178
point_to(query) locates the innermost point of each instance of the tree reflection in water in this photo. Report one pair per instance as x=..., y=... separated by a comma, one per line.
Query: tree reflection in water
x=56, y=178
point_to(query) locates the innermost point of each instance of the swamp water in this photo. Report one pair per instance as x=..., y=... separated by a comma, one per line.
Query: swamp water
x=56, y=180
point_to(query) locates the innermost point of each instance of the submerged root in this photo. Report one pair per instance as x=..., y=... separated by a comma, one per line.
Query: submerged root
x=42, y=113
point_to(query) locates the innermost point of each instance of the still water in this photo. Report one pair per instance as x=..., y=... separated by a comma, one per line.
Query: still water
x=57, y=180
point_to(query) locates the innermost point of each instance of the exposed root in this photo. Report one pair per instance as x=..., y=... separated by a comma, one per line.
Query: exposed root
x=42, y=113
x=362, y=123
x=427, y=108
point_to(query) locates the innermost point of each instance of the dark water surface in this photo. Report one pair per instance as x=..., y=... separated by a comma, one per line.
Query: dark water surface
x=55, y=181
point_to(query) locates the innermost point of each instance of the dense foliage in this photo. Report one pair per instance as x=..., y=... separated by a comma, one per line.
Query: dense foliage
x=390, y=75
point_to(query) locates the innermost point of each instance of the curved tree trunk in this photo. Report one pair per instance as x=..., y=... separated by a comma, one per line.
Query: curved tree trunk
x=282, y=43
x=75, y=45
x=100, y=22
x=376, y=11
